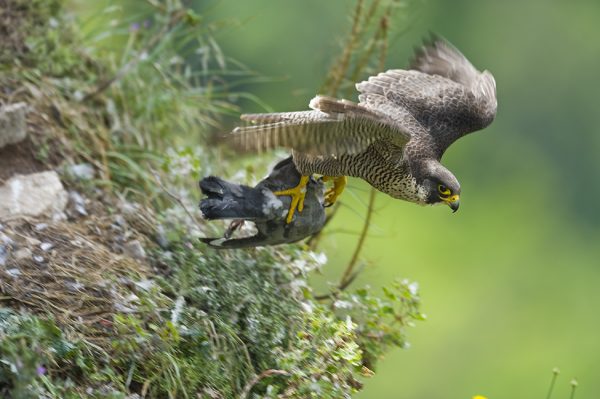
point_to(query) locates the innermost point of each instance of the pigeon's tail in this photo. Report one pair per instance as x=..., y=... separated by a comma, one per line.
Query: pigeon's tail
x=246, y=242
x=228, y=201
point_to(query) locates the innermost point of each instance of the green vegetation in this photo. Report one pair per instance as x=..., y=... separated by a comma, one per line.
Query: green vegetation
x=510, y=281
x=184, y=321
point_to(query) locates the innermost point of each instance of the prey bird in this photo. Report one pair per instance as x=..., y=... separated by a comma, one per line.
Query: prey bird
x=259, y=205
x=393, y=138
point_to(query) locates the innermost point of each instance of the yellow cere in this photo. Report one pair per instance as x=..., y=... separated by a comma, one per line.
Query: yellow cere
x=454, y=198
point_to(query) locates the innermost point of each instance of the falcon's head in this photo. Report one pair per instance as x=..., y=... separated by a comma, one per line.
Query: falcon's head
x=439, y=186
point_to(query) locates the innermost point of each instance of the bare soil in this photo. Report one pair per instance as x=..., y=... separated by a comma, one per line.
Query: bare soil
x=19, y=159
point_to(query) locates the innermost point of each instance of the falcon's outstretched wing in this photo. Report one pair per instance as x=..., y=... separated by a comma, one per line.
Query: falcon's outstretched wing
x=333, y=127
x=443, y=92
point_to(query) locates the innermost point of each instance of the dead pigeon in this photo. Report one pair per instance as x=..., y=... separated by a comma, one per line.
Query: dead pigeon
x=260, y=205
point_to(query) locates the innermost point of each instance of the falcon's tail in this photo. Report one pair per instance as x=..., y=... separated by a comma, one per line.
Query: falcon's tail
x=275, y=130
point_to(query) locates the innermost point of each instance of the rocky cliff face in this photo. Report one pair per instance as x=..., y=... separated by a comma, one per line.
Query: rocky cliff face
x=23, y=193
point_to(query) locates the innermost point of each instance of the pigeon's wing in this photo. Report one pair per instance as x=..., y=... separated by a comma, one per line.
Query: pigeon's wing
x=257, y=240
x=443, y=92
x=333, y=127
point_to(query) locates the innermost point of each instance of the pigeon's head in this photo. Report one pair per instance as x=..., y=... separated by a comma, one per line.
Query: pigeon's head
x=439, y=186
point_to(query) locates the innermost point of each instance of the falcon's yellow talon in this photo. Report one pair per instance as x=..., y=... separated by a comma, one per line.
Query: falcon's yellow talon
x=339, y=183
x=297, y=193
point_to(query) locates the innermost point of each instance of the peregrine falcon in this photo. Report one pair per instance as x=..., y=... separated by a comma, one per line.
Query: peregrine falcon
x=393, y=138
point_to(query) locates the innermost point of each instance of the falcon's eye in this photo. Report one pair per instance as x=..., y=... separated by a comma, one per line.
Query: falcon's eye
x=443, y=190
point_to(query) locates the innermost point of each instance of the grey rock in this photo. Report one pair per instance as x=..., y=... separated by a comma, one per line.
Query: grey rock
x=59, y=216
x=3, y=254
x=6, y=240
x=74, y=286
x=46, y=246
x=6, y=244
x=34, y=242
x=78, y=203
x=161, y=237
x=34, y=195
x=120, y=221
x=22, y=254
x=41, y=226
x=128, y=208
x=13, y=126
x=119, y=307
x=13, y=272
x=144, y=284
x=134, y=249
x=82, y=171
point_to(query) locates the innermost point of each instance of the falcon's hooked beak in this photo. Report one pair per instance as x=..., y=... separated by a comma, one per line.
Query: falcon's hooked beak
x=453, y=202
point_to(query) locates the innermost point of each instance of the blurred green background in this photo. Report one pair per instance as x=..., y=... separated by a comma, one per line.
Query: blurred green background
x=511, y=283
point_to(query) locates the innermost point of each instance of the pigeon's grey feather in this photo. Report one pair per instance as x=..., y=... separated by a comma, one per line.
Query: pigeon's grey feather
x=226, y=200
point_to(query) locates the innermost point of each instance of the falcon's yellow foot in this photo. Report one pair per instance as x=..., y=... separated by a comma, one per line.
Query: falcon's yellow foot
x=339, y=183
x=297, y=193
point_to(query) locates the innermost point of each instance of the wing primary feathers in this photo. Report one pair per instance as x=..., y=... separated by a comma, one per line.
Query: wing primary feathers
x=437, y=56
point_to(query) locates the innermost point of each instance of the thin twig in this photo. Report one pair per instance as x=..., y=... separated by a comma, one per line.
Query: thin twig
x=314, y=240
x=334, y=81
x=267, y=373
x=341, y=287
x=380, y=35
x=339, y=70
x=337, y=73
x=555, y=373
x=361, y=240
x=573, y=388
x=349, y=274
x=174, y=197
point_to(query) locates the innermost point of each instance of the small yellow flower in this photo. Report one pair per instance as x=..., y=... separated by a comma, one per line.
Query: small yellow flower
x=479, y=397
